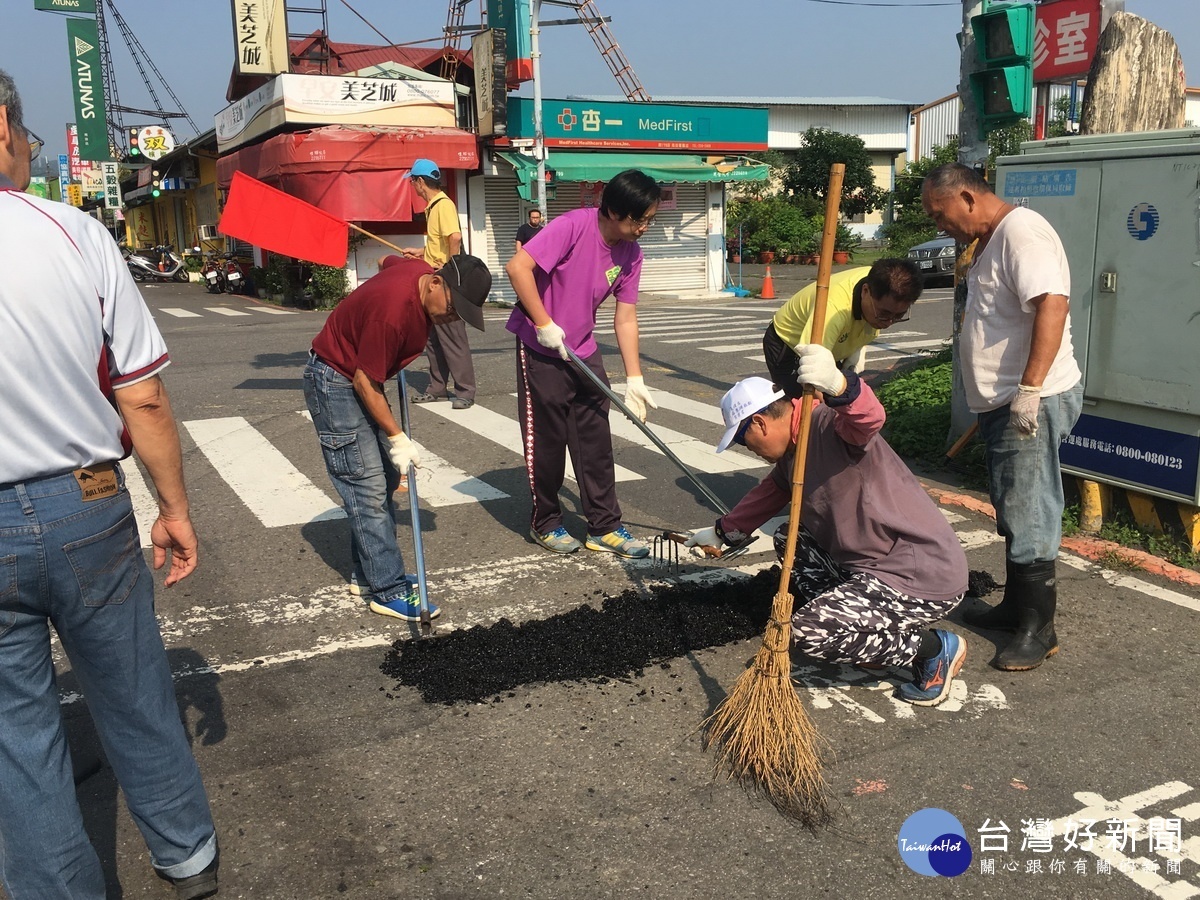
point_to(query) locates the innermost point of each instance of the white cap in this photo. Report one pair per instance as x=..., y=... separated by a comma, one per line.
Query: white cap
x=748, y=396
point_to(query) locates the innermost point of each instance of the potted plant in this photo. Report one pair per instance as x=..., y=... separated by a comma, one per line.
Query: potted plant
x=845, y=242
x=258, y=281
x=275, y=278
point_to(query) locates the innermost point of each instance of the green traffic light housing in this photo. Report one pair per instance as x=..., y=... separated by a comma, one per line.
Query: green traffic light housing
x=1003, y=90
x=134, y=149
x=1004, y=34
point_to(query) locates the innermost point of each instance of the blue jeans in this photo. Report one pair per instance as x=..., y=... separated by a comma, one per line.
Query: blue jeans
x=79, y=566
x=356, y=457
x=1024, y=477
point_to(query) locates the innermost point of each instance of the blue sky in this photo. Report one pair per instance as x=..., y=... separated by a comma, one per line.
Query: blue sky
x=810, y=48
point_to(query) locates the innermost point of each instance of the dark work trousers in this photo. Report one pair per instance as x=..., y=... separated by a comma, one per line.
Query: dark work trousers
x=781, y=362
x=449, y=355
x=561, y=410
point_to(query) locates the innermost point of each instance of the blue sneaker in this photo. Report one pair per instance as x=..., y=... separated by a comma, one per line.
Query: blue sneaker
x=407, y=608
x=559, y=540
x=620, y=542
x=933, y=677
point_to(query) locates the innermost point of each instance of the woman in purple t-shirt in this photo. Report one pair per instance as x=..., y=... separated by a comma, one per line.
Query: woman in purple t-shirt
x=578, y=261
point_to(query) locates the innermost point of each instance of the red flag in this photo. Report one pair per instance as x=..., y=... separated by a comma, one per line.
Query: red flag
x=267, y=217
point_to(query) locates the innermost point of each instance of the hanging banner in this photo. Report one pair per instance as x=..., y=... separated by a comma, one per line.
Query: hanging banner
x=260, y=29
x=1065, y=39
x=72, y=6
x=87, y=85
x=64, y=169
x=515, y=18
x=491, y=96
x=76, y=164
x=112, y=185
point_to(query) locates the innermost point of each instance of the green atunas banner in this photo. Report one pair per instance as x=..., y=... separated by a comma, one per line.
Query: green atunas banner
x=75, y=6
x=87, y=84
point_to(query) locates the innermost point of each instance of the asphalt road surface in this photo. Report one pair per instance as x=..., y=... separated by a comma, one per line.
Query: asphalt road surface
x=328, y=779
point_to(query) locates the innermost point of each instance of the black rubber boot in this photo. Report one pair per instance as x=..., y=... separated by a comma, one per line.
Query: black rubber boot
x=1036, y=600
x=1002, y=616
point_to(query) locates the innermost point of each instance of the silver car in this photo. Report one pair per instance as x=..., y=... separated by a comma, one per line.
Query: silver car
x=935, y=258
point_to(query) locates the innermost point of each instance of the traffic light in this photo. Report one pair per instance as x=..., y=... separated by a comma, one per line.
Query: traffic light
x=1003, y=90
x=155, y=183
x=135, y=148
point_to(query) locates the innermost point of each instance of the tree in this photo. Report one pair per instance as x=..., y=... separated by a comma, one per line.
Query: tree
x=808, y=175
x=910, y=225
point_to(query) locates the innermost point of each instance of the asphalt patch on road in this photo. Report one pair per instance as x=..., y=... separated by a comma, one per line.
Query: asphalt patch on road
x=618, y=640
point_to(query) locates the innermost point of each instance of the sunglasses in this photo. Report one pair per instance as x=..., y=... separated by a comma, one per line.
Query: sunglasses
x=35, y=144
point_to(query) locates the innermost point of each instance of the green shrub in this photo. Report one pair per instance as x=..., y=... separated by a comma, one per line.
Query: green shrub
x=329, y=284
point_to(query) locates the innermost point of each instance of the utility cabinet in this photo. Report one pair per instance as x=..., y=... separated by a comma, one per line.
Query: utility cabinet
x=1127, y=208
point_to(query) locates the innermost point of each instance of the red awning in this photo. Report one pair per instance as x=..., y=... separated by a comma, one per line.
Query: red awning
x=352, y=172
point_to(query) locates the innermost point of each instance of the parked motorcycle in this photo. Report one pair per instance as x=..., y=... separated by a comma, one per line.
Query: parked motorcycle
x=213, y=272
x=235, y=276
x=159, y=263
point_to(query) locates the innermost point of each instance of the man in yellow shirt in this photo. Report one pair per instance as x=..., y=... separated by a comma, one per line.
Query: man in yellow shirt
x=862, y=302
x=448, y=349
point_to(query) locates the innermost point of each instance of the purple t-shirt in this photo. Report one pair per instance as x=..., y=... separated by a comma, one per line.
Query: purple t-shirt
x=576, y=271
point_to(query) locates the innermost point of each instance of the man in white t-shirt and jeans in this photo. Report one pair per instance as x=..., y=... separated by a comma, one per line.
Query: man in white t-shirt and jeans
x=1022, y=380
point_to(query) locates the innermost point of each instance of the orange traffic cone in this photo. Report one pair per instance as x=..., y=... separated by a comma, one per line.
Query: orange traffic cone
x=768, y=288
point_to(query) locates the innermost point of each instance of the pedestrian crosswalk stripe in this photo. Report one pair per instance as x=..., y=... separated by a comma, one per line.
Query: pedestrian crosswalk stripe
x=719, y=326
x=180, y=313
x=733, y=348
x=272, y=311
x=226, y=311
x=697, y=455
x=705, y=412
x=910, y=345
x=441, y=484
x=262, y=477
x=145, y=507
x=504, y=431
x=739, y=332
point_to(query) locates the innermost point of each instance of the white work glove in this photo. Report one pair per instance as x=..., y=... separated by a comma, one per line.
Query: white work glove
x=403, y=451
x=552, y=337
x=637, y=396
x=817, y=368
x=704, y=537
x=856, y=361
x=1023, y=411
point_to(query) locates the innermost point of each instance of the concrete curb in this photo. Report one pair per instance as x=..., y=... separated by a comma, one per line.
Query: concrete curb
x=1088, y=547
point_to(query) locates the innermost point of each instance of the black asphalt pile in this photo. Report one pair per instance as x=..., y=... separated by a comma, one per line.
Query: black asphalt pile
x=980, y=584
x=625, y=635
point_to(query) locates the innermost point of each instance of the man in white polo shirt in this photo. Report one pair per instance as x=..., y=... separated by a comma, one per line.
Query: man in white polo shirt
x=81, y=387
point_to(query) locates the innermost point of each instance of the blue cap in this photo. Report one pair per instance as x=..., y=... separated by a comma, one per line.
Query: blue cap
x=426, y=167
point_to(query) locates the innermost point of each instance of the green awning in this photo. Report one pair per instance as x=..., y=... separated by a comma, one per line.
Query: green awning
x=601, y=166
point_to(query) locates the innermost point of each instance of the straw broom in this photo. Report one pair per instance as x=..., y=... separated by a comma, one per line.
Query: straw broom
x=761, y=734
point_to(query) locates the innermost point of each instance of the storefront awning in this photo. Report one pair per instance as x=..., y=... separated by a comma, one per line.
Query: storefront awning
x=352, y=172
x=601, y=166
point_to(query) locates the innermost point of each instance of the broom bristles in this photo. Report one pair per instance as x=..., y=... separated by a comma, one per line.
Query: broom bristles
x=762, y=735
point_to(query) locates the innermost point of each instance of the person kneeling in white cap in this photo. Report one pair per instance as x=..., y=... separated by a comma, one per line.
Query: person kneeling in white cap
x=876, y=562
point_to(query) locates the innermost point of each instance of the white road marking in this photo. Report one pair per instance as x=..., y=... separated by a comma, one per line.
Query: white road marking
x=951, y=517
x=273, y=311
x=1117, y=579
x=738, y=332
x=909, y=345
x=504, y=431
x=972, y=540
x=705, y=412
x=180, y=313
x=145, y=507
x=733, y=348
x=262, y=477
x=441, y=484
x=226, y=311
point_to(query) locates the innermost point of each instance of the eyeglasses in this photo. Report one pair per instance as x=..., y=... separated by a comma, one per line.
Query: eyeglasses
x=888, y=318
x=643, y=222
x=35, y=144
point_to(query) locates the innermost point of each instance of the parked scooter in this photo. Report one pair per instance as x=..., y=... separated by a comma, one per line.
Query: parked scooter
x=160, y=263
x=235, y=277
x=213, y=272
